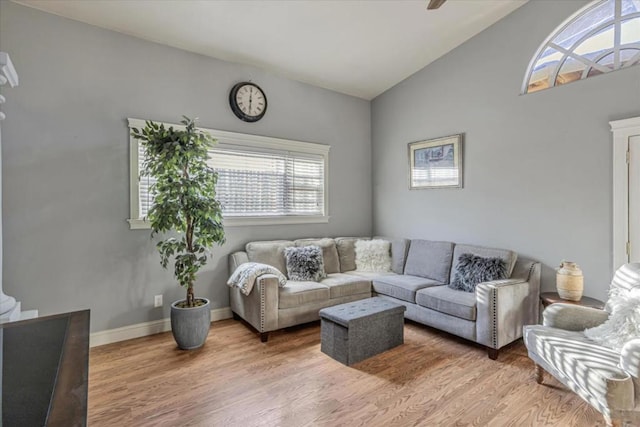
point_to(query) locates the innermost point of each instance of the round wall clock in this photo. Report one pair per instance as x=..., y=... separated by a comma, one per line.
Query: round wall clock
x=248, y=101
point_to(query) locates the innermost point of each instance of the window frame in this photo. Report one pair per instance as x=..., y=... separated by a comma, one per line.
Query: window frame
x=616, y=22
x=236, y=141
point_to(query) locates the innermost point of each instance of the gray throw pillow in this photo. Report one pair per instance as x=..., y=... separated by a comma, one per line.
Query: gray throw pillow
x=305, y=263
x=472, y=269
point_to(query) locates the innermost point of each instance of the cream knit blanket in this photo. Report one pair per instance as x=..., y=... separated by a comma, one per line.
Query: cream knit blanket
x=246, y=274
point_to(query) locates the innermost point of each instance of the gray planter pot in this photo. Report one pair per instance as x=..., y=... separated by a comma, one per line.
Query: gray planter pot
x=190, y=326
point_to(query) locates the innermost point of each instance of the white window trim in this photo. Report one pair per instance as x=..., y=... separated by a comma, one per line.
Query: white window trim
x=622, y=131
x=233, y=139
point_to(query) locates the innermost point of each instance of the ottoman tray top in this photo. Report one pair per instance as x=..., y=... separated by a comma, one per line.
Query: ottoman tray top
x=363, y=309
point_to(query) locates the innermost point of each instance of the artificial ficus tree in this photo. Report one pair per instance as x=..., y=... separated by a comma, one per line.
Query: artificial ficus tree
x=184, y=197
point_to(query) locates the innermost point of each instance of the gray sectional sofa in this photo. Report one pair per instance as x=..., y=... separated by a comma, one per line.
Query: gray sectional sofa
x=492, y=316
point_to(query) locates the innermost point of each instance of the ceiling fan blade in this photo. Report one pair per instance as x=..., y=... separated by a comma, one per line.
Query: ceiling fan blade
x=434, y=4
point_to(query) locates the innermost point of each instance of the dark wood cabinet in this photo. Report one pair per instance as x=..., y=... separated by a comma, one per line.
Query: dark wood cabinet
x=45, y=367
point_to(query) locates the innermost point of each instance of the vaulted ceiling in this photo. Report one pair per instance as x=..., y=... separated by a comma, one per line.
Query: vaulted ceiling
x=360, y=48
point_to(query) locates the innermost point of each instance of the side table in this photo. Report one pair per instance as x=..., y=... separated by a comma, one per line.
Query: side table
x=548, y=298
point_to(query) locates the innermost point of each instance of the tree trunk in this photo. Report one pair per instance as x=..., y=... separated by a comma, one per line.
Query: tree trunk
x=190, y=297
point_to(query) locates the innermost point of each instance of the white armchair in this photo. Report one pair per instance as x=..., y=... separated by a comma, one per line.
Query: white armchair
x=606, y=379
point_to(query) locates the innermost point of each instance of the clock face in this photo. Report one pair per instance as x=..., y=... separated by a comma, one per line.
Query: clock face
x=248, y=102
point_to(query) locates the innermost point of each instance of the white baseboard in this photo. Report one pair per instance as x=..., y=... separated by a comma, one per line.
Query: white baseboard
x=147, y=328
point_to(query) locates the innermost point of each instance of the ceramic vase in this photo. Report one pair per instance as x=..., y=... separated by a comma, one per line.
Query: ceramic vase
x=569, y=281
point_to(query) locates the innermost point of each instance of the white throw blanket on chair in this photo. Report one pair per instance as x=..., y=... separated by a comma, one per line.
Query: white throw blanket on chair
x=623, y=324
x=246, y=274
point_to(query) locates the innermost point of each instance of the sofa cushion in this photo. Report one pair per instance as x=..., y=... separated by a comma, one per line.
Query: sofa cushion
x=509, y=257
x=446, y=300
x=295, y=294
x=472, y=270
x=399, y=250
x=370, y=274
x=347, y=252
x=373, y=255
x=429, y=259
x=329, y=252
x=305, y=263
x=269, y=252
x=342, y=285
x=403, y=287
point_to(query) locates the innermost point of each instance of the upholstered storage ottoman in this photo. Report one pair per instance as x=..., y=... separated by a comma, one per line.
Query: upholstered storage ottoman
x=357, y=330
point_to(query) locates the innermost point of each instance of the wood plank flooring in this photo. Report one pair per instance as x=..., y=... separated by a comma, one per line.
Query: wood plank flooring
x=434, y=379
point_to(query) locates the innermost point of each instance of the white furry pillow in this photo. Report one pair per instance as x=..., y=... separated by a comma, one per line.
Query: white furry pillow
x=623, y=323
x=373, y=255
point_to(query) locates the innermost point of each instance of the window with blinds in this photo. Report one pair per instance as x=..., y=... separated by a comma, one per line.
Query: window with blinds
x=145, y=198
x=268, y=184
x=261, y=180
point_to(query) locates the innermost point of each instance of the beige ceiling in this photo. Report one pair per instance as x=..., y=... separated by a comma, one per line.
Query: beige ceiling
x=360, y=48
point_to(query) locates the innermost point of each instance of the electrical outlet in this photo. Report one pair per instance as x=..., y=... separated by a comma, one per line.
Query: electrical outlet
x=157, y=301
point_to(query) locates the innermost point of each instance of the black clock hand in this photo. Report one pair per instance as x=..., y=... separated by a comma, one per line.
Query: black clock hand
x=250, y=99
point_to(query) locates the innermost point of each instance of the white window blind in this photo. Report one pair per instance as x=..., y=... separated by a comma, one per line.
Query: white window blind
x=268, y=184
x=145, y=199
x=261, y=180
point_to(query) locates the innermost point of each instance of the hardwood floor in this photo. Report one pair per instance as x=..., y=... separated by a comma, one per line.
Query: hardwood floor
x=434, y=379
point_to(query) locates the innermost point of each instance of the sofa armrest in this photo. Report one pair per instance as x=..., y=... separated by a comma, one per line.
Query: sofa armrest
x=572, y=317
x=260, y=307
x=235, y=259
x=268, y=287
x=502, y=311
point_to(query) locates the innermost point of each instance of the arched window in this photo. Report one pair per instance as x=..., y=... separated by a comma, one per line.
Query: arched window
x=603, y=36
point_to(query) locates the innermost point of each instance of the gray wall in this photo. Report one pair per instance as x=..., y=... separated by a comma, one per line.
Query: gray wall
x=66, y=181
x=537, y=168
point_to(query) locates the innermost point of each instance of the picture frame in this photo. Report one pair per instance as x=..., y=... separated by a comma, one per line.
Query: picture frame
x=436, y=163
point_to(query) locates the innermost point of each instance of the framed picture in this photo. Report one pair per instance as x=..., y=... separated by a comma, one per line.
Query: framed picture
x=436, y=163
